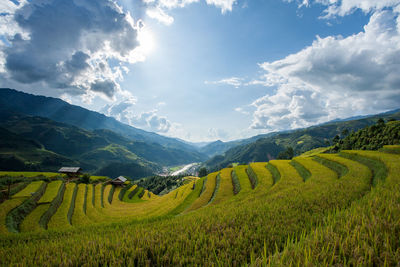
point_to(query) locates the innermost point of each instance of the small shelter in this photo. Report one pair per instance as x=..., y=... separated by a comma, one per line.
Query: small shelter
x=119, y=181
x=71, y=172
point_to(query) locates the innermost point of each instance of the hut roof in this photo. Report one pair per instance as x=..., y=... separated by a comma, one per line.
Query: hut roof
x=121, y=178
x=70, y=169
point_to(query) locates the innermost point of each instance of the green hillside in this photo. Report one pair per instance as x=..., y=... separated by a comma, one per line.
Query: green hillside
x=301, y=141
x=60, y=111
x=371, y=138
x=40, y=144
x=325, y=210
x=18, y=153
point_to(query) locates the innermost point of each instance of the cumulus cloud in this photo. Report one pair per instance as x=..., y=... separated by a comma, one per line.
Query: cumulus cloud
x=224, y=5
x=152, y=121
x=217, y=133
x=159, y=14
x=346, y=7
x=334, y=77
x=68, y=44
x=125, y=112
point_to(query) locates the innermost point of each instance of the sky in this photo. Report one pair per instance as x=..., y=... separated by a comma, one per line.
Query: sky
x=203, y=70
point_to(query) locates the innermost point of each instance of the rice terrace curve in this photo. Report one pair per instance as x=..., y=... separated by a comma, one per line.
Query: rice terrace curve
x=323, y=216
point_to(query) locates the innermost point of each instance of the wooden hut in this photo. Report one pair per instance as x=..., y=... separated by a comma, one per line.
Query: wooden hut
x=119, y=181
x=71, y=172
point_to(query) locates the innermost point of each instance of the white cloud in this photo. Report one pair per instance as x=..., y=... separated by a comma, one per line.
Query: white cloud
x=242, y=110
x=67, y=45
x=334, y=77
x=224, y=5
x=150, y=120
x=217, y=133
x=157, y=9
x=125, y=111
x=160, y=15
x=346, y=7
x=175, y=3
x=234, y=81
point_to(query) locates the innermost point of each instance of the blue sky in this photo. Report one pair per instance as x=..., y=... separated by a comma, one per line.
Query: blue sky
x=207, y=70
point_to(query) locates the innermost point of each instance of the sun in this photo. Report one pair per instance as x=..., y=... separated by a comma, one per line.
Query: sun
x=146, y=40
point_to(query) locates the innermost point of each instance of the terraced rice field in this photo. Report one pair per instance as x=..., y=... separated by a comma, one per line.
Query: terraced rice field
x=31, y=222
x=15, y=201
x=206, y=194
x=320, y=210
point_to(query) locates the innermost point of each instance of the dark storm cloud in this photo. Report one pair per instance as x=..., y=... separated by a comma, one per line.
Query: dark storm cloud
x=67, y=44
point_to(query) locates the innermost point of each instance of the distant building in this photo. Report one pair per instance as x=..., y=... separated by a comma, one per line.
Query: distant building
x=71, y=172
x=119, y=181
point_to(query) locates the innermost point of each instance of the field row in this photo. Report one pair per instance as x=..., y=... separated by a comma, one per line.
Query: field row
x=258, y=213
x=65, y=205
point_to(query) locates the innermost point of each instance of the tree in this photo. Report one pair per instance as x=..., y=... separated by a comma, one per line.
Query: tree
x=381, y=122
x=85, y=179
x=203, y=172
x=345, y=132
x=336, y=139
x=327, y=143
x=287, y=154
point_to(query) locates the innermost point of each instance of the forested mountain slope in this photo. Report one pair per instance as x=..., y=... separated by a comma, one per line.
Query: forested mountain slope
x=300, y=140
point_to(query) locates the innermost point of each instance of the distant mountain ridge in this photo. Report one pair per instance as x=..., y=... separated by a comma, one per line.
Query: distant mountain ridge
x=61, y=111
x=259, y=148
x=42, y=133
x=92, y=150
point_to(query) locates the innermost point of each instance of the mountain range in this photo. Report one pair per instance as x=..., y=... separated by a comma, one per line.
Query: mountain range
x=44, y=133
x=49, y=132
x=265, y=147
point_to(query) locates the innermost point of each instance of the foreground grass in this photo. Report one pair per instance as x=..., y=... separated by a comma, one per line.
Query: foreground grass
x=366, y=234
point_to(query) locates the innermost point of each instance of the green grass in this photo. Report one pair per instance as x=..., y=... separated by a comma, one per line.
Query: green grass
x=189, y=199
x=276, y=176
x=395, y=149
x=225, y=188
x=240, y=172
x=27, y=191
x=95, y=178
x=51, y=192
x=31, y=174
x=17, y=215
x=305, y=174
x=79, y=217
x=340, y=169
x=365, y=234
x=207, y=194
x=135, y=197
x=15, y=201
x=378, y=168
x=264, y=177
x=60, y=218
x=315, y=151
x=13, y=211
x=289, y=177
x=31, y=222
